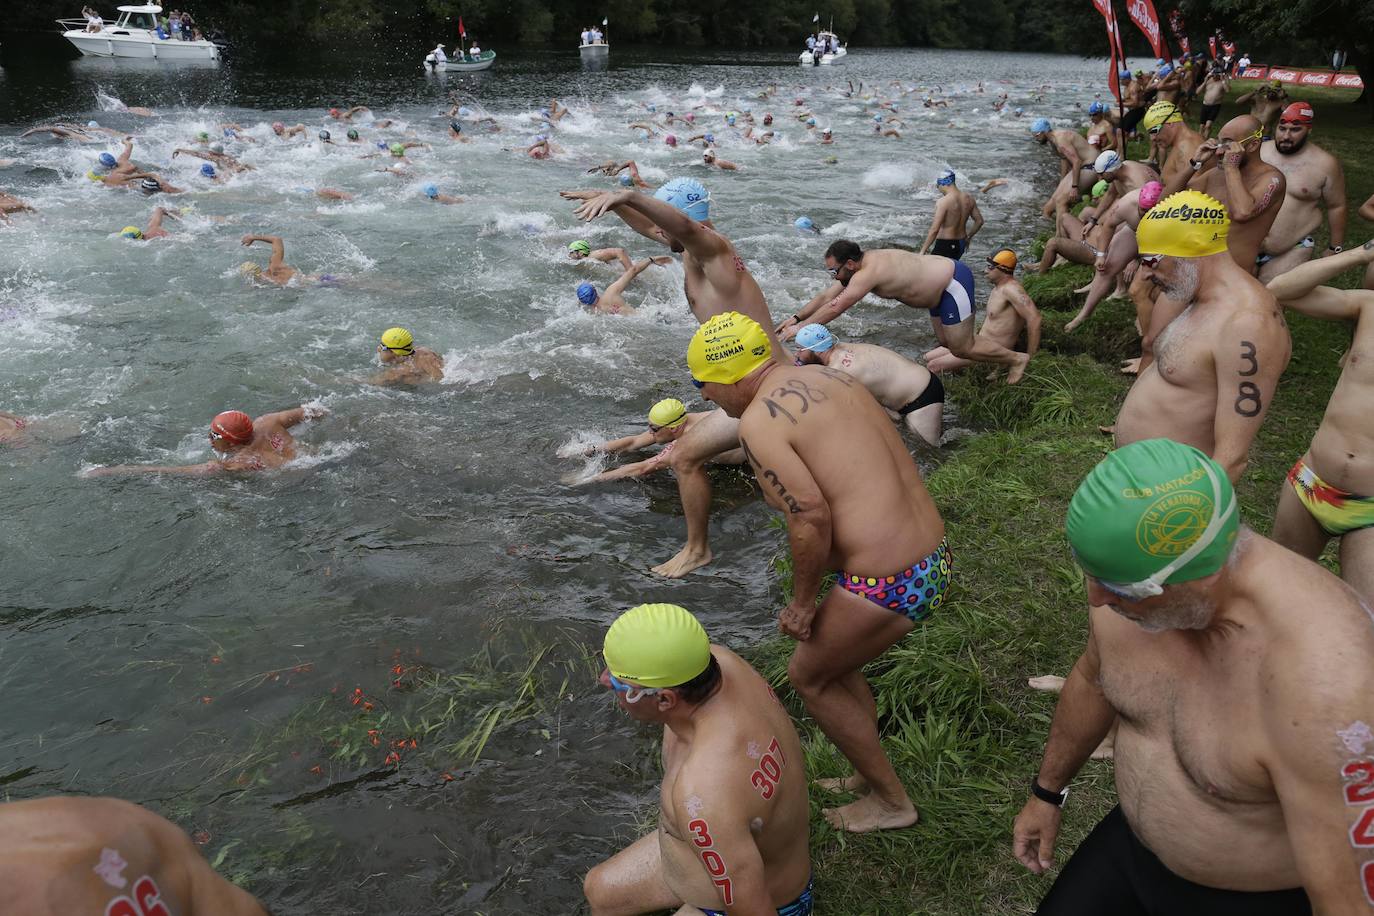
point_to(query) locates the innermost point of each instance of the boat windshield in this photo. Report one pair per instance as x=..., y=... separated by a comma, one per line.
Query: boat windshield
x=140, y=21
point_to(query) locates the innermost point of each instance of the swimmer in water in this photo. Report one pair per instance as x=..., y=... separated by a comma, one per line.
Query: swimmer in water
x=241, y=443
x=13, y=429
x=431, y=191
x=62, y=855
x=711, y=160
x=668, y=421
x=277, y=270
x=154, y=230
x=286, y=133
x=611, y=168
x=215, y=154
x=405, y=363
x=332, y=194
x=10, y=204
x=582, y=250
x=612, y=301
x=455, y=131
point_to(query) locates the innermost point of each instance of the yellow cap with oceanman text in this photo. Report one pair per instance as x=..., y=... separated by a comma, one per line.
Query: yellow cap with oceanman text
x=1160, y=113
x=1188, y=224
x=727, y=348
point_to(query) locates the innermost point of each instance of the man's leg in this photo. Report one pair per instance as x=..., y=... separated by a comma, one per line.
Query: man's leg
x=927, y=422
x=1284, y=262
x=935, y=354
x=964, y=343
x=714, y=434
x=1357, y=562
x=1097, y=878
x=1294, y=526
x=827, y=672
x=1121, y=251
x=630, y=882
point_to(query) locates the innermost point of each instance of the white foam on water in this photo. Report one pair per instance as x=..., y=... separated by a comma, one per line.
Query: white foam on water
x=888, y=175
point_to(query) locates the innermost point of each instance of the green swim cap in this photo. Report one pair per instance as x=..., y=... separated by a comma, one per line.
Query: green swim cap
x=656, y=645
x=1153, y=512
x=580, y=245
x=397, y=149
x=1099, y=189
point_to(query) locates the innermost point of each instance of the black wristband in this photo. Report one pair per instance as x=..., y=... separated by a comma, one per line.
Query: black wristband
x=1045, y=795
x=797, y=318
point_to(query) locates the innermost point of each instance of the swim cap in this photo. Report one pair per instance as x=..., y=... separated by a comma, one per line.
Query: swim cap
x=217, y=148
x=1100, y=188
x=688, y=195
x=203, y=135
x=652, y=107
x=108, y=160
x=767, y=119
x=810, y=122
x=150, y=185
x=690, y=118
x=324, y=135
x=1277, y=84
x=230, y=133
x=92, y=123
x=1159, y=114
x=277, y=125
x=352, y=133
x=625, y=179
x=946, y=178
x=1096, y=108
x=586, y=293
x=1189, y=224
x=709, y=138
x=232, y=426
x=815, y=337
x=395, y=339
x=730, y=119
x=131, y=232
x=207, y=170
x=397, y=149
x=93, y=176
x=544, y=113
x=333, y=112
x=1019, y=111
x=1298, y=113
x=656, y=645
x=464, y=112
x=1154, y=510
x=1003, y=258
x=580, y=245
x=877, y=117
x=1149, y=194
x=671, y=140
x=804, y=223
x=727, y=348
x=1108, y=161
x=825, y=131
x=1040, y=126
x=1166, y=70
x=668, y=413
x=455, y=127
x=430, y=191
x=1125, y=74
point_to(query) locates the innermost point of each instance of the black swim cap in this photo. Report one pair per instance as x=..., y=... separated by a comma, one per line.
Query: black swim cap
x=456, y=127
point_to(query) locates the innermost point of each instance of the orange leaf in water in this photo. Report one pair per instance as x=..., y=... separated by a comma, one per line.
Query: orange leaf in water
x=207, y=699
x=448, y=777
x=317, y=770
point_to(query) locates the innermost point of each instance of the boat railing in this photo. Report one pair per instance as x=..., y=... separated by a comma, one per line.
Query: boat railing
x=71, y=24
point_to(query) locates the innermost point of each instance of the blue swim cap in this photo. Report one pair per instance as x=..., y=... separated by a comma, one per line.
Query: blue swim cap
x=230, y=133
x=430, y=191
x=1096, y=108
x=653, y=107
x=804, y=223
x=324, y=135
x=1166, y=70
x=688, y=195
x=455, y=127
x=730, y=119
x=1125, y=74
x=108, y=160
x=815, y=337
x=586, y=293
x=544, y=113
x=709, y=138
x=92, y=123
x=877, y=117
x=946, y=177
x=810, y=122
x=1040, y=126
x=625, y=179
x=1019, y=110
x=207, y=170
x=381, y=144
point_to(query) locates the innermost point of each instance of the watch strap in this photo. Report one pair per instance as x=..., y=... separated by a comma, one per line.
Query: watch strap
x=1045, y=795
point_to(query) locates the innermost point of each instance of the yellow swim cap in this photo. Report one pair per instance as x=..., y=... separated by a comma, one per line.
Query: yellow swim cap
x=131, y=232
x=668, y=413
x=1160, y=113
x=1188, y=224
x=250, y=269
x=727, y=348
x=656, y=645
x=398, y=339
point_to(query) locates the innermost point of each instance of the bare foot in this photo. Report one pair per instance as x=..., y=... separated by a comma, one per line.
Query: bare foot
x=1131, y=367
x=1117, y=293
x=686, y=560
x=1107, y=430
x=1049, y=682
x=852, y=783
x=1018, y=369
x=871, y=813
x=1083, y=289
x=1031, y=268
x=1077, y=320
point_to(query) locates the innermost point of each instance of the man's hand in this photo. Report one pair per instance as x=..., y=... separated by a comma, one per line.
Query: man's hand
x=599, y=205
x=1033, y=835
x=1233, y=157
x=788, y=332
x=789, y=321
x=248, y=239
x=579, y=195
x=795, y=621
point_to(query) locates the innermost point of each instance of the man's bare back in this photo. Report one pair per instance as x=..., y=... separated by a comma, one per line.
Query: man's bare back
x=424, y=366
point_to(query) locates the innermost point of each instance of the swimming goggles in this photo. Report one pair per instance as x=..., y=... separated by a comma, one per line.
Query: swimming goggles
x=698, y=384
x=1154, y=585
x=633, y=693
x=1150, y=260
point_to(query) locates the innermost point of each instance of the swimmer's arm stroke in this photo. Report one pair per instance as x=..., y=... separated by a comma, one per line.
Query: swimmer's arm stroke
x=635, y=469
x=1248, y=364
x=719, y=834
x=702, y=243
x=632, y=218
x=626, y=444
x=624, y=280
x=289, y=418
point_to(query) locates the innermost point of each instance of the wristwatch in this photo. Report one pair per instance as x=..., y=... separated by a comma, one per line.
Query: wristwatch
x=1045, y=795
x=1197, y=166
x=1336, y=248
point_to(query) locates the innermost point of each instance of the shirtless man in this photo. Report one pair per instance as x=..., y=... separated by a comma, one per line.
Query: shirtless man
x=908, y=391
x=1119, y=223
x=716, y=280
x=711, y=160
x=922, y=281
x=1218, y=363
x=1133, y=101
x=154, y=230
x=240, y=442
x=277, y=270
x=1073, y=148
x=1071, y=189
x=733, y=824
x=61, y=855
x=405, y=363
x=669, y=421
x=1241, y=754
x=582, y=250
x=1174, y=141
x=1010, y=310
x=1251, y=189
x=217, y=155
x=1328, y=487
x=1166, y=84
x=612, y=301
x=1265, y=102
x=1122, y=176
x=1313, y=178
x=1214, y=89
x=949, y=232
x=1101, y=130
x=286, y=133
x=13, y=429
x=827, y=457
x=10, y=204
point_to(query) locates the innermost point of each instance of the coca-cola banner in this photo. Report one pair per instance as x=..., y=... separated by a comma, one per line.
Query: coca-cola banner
x=1315, y=78
x=1253, y=73
x=1304, y=77
x=1283, y=75
x=1142, y=13
x=1347, y=81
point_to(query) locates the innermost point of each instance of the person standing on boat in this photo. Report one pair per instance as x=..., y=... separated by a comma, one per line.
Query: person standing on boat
x=93, y=21
x=586, y=35
x=811, y=42
x=187, y=26
x=438, y=54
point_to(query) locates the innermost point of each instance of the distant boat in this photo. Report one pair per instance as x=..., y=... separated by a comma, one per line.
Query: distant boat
x=599, y=50
x=808, y=58
x=134, y=34
x=480, y=62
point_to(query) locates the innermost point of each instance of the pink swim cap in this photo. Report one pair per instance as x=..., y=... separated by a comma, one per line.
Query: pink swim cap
x=671, y=140
x=1149, y=194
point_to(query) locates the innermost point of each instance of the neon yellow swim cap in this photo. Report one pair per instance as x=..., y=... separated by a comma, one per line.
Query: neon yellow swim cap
x=727, y=348
x=668, y=413
x=656, y=645
x=1153, y=511
x=1160, y=113
x=398, y=339
x=250, y=269
x=131, y=232
x=94, y=176
x=1189, y=224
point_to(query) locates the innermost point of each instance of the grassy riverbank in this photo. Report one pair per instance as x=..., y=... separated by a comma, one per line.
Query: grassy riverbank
x=959, y=722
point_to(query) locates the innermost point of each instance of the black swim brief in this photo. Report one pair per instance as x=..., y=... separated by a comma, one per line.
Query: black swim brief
x=1208, y=113
x=1113, y=872
x=934, y=394
x=1133, y=116
x=950, y=248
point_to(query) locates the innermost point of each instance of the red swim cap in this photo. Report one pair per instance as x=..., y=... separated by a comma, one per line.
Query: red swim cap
x=333, y=112
x=1297, y=112
x=233, y=426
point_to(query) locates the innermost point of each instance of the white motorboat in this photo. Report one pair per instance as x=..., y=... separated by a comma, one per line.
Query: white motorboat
x=599, y=50
x=134, y=34
x=480, y=62
x=808, y=58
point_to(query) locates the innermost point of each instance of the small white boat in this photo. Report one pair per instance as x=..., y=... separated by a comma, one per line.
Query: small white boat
x=808, y=58
x=600, y=50
x=134, y=34
x=480, y=62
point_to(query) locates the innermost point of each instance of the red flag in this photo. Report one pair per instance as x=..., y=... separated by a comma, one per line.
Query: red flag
x=462, y=32
x=1113, y=45
x=1142, y=13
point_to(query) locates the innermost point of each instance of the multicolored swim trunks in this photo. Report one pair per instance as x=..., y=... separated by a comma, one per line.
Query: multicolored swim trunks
x=917, y=591
x=1337, y=511
x=802, y=906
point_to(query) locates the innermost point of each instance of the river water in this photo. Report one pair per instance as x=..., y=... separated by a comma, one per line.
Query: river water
x=243, y=654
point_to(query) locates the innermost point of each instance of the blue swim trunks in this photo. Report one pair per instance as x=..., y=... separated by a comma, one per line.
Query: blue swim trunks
x=802, y=906
x=956, y=302
x=917, y=591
